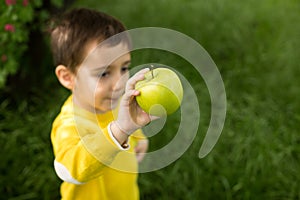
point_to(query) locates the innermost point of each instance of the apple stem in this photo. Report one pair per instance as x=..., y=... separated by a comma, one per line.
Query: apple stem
x=151, y=69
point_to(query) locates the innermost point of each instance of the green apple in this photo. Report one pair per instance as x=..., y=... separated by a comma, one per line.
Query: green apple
x=161, y=92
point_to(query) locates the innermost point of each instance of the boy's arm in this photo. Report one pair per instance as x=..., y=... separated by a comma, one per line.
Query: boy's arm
x=142, y=144
x=81, y=157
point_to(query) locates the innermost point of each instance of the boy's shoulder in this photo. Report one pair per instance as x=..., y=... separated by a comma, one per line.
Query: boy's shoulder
x=67, y=105
x=66, y=111
x=79, y=116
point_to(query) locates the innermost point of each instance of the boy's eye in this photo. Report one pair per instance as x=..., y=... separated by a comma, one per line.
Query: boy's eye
x=125, y=69
x=104, y=74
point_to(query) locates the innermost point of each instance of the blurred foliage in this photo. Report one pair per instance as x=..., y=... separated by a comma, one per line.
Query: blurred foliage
x=18, y=19
x=255, y=46
x=26, y=166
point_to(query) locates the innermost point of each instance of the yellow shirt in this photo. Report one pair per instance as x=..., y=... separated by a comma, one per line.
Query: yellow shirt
x=89, y=160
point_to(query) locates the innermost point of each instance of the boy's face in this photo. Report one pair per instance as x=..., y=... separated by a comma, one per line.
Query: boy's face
x=101, y=79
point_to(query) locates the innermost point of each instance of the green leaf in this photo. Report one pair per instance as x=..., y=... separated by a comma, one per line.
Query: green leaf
x=57, y=3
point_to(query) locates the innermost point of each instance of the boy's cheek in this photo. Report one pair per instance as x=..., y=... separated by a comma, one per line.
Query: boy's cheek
x=122, y=82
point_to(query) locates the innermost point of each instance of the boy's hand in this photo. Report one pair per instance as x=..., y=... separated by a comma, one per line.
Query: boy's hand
x=131, y=117
x=140, y=149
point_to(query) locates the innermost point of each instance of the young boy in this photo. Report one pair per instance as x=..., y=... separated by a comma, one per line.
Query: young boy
x=96, y=138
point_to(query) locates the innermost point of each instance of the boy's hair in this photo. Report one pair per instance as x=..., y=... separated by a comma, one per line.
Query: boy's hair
x=74, y=30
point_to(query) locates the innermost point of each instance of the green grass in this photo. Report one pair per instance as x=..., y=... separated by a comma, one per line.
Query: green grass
x=255, y=46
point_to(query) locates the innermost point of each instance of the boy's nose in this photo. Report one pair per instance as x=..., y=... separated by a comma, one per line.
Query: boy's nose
x=119, y=82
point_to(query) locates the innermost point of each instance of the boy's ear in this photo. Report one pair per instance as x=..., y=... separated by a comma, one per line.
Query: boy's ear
x=65, y=76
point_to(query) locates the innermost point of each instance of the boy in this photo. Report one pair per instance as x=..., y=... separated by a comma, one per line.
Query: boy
x=96, y=138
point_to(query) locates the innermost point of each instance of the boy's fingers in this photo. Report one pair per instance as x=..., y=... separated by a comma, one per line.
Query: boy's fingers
x=152, y=117
x=135, y=78
x=142, y=71
x=140, y=157
x=129, y=94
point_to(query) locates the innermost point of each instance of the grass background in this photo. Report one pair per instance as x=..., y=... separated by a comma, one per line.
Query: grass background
x=255, y=45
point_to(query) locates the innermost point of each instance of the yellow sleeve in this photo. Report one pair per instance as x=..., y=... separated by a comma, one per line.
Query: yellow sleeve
x=81, y=150
x=139, y=135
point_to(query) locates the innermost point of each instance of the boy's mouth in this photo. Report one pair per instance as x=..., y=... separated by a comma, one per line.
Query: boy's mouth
x=114, y=98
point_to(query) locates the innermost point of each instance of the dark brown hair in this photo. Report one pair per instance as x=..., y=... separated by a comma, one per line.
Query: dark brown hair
x=75, y=29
